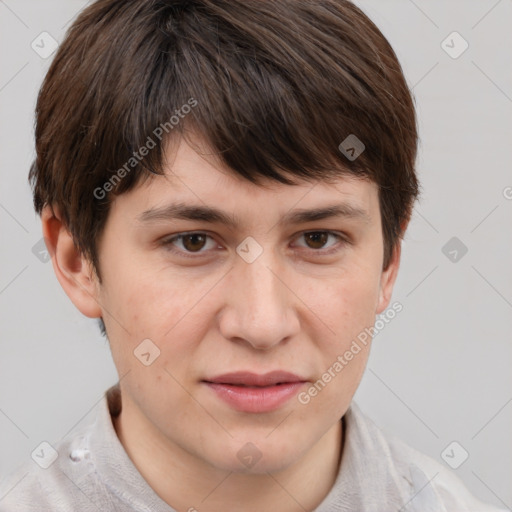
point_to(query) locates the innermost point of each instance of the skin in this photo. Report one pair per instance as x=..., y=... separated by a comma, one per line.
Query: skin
x=294, y=308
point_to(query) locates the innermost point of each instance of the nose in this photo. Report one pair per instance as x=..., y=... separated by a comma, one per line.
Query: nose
x=260, y=307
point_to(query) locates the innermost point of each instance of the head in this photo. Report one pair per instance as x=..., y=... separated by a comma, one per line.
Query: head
x=226, y=121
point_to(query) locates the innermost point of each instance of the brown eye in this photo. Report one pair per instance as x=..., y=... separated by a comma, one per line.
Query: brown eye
x=190, y=244
x=194, y=242
x=316, y=239
x=322, y=242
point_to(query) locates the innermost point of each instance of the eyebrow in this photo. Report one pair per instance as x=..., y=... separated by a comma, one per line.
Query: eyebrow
x=213, y=215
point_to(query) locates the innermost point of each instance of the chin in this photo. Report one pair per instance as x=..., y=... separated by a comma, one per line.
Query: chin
x=258, y=457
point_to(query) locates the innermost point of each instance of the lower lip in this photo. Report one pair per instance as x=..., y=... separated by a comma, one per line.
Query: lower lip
x=256, y=399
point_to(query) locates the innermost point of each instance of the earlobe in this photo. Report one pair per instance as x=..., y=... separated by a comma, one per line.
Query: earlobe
x=73, y=270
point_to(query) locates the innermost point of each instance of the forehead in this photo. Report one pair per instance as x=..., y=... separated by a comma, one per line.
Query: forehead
x=194, y=176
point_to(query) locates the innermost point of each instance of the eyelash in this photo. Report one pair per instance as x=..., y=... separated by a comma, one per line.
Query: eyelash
x=168, y=243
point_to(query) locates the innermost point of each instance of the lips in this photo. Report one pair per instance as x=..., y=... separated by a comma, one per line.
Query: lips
x=252, y=379
x=249, y=392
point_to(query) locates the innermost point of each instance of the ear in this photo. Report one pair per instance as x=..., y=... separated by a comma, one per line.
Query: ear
x=73, y=270
x=388, y=277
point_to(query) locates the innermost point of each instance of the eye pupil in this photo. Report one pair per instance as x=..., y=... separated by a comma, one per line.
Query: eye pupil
x=194, y=237
x=318, y=238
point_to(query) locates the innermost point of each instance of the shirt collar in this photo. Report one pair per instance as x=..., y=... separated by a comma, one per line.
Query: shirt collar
x=367, y=477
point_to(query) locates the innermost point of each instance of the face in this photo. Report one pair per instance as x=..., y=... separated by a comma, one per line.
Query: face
x=205, y=275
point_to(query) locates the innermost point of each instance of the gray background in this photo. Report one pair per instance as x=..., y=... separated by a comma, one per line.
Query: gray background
x=439, y=372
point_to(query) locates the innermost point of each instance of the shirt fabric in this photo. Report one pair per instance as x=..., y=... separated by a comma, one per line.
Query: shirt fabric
x=94, y=473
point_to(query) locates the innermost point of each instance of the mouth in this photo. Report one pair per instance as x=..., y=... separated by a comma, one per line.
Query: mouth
x=249, y=392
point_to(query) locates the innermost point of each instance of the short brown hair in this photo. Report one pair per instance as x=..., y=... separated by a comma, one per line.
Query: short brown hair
x=275, y=85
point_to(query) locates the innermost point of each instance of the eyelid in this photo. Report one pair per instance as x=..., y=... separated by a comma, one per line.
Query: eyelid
x=342, y=238
x=168, y=243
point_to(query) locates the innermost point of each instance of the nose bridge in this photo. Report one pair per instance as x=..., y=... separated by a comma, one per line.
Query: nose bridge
x=264, y=290
x=260, y=306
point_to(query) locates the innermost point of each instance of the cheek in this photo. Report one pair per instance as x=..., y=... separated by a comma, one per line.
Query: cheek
x=348, y=307
x=150, y=302
x=169, y=310
x=346, y=304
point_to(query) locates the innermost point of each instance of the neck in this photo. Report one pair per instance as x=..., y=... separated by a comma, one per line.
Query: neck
x=186, y=482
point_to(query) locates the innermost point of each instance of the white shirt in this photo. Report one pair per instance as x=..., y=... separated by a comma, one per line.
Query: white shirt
x=93, y=472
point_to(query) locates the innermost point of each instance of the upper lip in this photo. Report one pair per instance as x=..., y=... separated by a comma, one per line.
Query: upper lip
x=253, y=379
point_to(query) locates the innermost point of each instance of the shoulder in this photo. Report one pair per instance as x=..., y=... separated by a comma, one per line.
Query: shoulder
x=65, y=476
x=51, y=479
x=427, y=483
x=433, y=480
x=88, y=470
